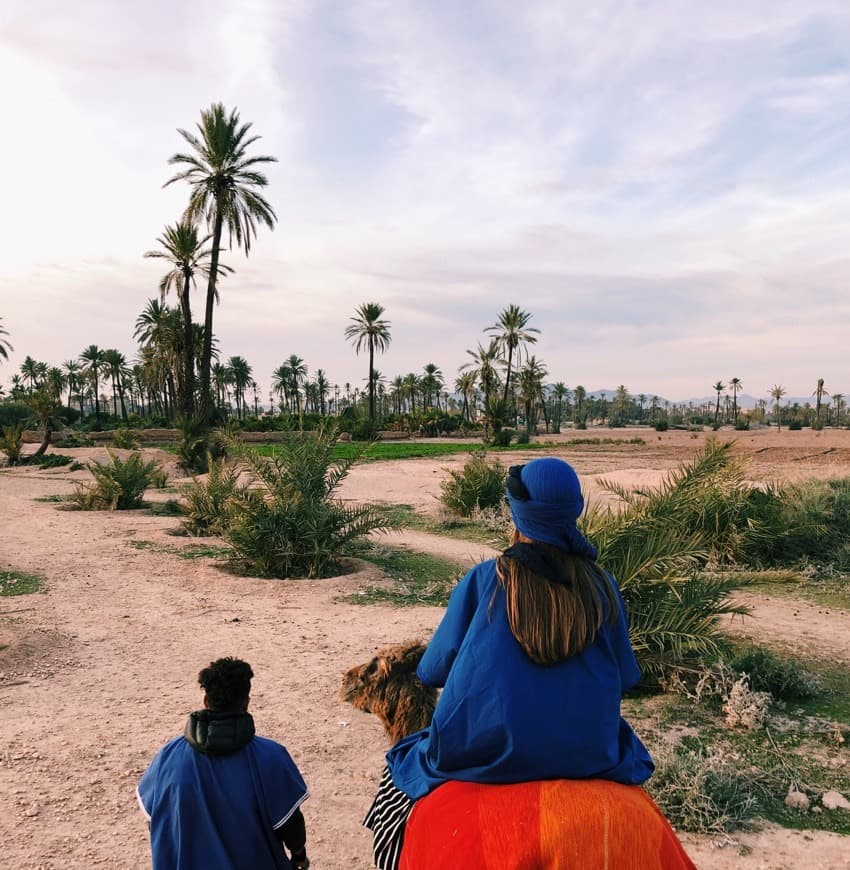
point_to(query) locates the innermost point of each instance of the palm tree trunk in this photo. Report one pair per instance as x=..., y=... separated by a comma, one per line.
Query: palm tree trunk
x=508, y=376
x=205, y=402
x=371, y=381
x=187, y=405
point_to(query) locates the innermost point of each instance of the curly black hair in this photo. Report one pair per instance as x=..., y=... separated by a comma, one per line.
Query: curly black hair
x=227, y=683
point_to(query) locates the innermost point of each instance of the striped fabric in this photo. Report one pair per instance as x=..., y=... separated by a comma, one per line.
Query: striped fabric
x=546, y=825
x=386, y=819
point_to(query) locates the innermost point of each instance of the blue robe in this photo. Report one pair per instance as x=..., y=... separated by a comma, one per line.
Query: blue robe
x=501, y=718
x=220, y=812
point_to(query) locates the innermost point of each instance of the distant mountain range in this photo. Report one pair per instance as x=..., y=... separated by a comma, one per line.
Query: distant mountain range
x=745, y=400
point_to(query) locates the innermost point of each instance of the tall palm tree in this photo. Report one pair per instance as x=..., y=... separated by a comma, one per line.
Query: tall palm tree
x=512, y=331
x=431, y=383
x=560, y=391
x=297, y=378
x=54, y=383
x=531, y=377
x=483, y=364
x=465, y=385
x=240, y=377
x=819, y=393
x=838, y=398
x=92, y=359
x=776, y=393
x=281, y=380
x=719, y=387
x=33, y=371
x=72, y=371
x=736, y=385
x=185, y=251
x=368, y=329
x=5, y=347
x=117, y=368
x=580, y=394
x=322, y=388
x=225, y=192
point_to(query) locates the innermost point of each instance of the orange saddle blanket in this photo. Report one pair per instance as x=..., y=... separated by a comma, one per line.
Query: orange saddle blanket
x=546, y=825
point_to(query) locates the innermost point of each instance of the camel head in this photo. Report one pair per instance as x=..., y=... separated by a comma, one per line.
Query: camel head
x=388, y=687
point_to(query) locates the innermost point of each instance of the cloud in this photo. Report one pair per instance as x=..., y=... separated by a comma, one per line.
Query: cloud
x=665, y=186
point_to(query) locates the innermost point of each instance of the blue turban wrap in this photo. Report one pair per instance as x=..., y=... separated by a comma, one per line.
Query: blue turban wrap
x=554, y=505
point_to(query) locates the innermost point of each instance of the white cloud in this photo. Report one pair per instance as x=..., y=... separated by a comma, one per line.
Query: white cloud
x=663, y=184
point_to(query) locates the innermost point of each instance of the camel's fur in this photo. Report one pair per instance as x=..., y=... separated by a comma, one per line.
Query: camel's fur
x=388, y=687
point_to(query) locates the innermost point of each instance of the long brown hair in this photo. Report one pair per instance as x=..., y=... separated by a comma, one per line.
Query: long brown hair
x=553, y=621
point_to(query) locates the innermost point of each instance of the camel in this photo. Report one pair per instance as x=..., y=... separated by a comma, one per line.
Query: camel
x=547, y=825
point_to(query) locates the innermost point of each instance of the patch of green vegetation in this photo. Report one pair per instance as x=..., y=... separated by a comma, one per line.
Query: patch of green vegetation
x=416, y=579
x=458, y=528
x=48, y=460
x=169, y=508
x=381, y=451
x=192, y=551
x=56, y=498
x=18, y=583
x=825, y=587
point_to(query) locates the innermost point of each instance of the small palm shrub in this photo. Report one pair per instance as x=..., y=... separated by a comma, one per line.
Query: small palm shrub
x=502, y=437
x=655, y=545
x=118, y=484
x=811, y=524
x=286, y=522
x=124, y=439
x=783, y=679
x=197, y=444
x=207, y=502
x=12, y=442
x=480, y=484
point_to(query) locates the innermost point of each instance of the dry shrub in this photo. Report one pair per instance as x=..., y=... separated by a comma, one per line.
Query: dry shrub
x=700, y=790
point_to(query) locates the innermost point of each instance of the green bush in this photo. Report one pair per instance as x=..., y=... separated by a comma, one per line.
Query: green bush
x=662, y=426
x=118, y=484
x=286, y=522
x=581, y=425
x=124, y=439
x=784, y=679
x=49, y=460
x=810, y=523
x=795, y=425
x=207, y=502
x=480, y=484
x=523, y=437
x=14, y=412
x=654, y=546
x=742, y=426
x=12, y=442
x=502, y=437
x=75, y=439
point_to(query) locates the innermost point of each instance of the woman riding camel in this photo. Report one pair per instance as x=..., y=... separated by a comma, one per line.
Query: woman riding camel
x=533, y=656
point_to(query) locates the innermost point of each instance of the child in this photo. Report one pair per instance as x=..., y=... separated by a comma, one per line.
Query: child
x=221, y=796
x=533, y=655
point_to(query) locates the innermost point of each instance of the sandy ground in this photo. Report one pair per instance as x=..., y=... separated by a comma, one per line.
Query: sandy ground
x=99, y=671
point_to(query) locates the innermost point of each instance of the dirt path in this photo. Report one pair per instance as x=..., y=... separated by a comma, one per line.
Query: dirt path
x=99, y=671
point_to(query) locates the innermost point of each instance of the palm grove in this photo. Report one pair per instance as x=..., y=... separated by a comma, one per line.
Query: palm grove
x=179, y=377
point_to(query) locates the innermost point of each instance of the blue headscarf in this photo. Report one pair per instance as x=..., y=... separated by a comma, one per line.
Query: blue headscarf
x=554, y=505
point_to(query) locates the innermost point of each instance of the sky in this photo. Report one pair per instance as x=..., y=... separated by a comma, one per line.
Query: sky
x=664, y=186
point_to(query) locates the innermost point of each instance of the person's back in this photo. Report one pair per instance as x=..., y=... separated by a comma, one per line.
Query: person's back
x=533, y=656
x=502, y=718
x=220, y=796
